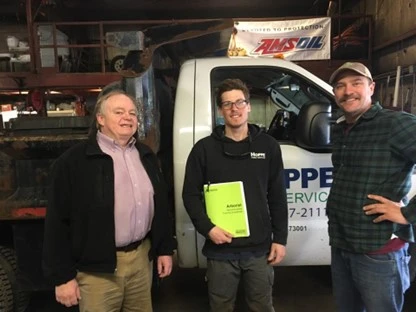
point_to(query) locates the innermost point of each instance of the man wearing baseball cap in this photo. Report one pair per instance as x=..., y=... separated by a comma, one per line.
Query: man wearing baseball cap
x=370, y=216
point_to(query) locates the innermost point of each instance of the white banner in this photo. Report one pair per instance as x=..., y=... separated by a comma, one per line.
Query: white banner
x=304, y=39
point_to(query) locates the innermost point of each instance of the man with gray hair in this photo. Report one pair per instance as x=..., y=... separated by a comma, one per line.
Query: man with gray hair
x=108, y=216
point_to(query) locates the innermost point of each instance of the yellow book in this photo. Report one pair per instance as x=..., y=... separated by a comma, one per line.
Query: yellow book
x=226, y=207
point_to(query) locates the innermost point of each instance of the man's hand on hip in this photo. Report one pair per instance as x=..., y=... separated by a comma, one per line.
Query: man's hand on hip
x=386, y=209
x=68, y=294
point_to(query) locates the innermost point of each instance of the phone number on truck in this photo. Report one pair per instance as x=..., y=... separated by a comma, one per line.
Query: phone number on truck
x=307, y=212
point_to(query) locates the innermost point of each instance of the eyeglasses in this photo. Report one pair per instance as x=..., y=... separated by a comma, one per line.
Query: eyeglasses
x=239, y=104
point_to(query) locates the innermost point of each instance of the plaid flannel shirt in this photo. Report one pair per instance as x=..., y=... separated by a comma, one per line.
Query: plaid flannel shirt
x=376, y=156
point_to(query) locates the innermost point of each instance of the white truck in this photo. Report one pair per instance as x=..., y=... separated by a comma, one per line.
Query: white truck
x=292, y=105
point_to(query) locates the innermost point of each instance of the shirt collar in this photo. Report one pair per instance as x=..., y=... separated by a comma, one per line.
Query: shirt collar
x=111, y=143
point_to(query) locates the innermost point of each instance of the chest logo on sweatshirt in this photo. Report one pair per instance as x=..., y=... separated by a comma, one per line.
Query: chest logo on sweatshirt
x=254, y=155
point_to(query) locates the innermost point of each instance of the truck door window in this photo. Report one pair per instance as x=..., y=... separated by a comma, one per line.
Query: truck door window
x=277, y=96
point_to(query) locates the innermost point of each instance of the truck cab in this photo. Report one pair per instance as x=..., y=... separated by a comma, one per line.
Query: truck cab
x=289, y=103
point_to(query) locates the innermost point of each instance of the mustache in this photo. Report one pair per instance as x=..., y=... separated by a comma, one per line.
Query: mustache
x=347, y=97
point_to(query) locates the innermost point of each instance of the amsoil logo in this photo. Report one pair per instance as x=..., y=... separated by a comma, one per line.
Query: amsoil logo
x=275, y=45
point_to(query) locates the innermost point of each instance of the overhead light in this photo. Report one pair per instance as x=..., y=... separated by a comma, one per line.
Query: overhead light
x=14, y=92
x=94, y=90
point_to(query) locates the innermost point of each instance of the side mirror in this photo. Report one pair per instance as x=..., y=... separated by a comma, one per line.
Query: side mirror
x=313, y=127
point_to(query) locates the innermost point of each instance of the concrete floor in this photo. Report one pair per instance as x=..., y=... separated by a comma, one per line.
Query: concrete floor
x=297, y=289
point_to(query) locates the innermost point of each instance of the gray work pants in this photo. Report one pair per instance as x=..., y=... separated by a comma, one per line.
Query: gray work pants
x=256, y=275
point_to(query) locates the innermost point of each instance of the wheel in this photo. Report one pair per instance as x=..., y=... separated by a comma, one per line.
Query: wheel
x=117, y=63
x=6, y=293
x=14, y=298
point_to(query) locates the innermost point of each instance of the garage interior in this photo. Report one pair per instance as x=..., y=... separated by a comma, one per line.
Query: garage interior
x=65, y=45
x=64, y=52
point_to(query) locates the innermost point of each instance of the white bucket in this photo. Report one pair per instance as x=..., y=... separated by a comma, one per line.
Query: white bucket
x=12, y=41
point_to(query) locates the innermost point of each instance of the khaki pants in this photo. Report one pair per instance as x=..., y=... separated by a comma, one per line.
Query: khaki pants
x=128, y=289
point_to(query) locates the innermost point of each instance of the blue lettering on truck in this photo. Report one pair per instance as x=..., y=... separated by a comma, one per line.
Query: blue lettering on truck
x=307, y=175
x=308, y=192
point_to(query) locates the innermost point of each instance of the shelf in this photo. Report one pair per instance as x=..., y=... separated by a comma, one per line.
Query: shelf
x=19, y=50
x=61, y=113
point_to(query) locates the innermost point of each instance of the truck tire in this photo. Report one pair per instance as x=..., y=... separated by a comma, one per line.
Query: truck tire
x=14, y=298
x=117, y=62
x=6, y=292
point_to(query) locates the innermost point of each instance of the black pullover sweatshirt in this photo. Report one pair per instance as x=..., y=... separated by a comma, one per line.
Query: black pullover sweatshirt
x=257, y=161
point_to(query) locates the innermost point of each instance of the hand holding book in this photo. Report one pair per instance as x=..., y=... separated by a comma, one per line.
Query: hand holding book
x=226, y=207
x=219, y=236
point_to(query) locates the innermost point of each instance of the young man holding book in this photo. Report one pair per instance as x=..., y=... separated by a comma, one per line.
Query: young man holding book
x=239, y=151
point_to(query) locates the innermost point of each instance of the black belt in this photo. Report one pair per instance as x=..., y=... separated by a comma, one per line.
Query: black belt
x=132, y=246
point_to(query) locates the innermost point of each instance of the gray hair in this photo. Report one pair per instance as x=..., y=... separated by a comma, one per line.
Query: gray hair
x=102, y=102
